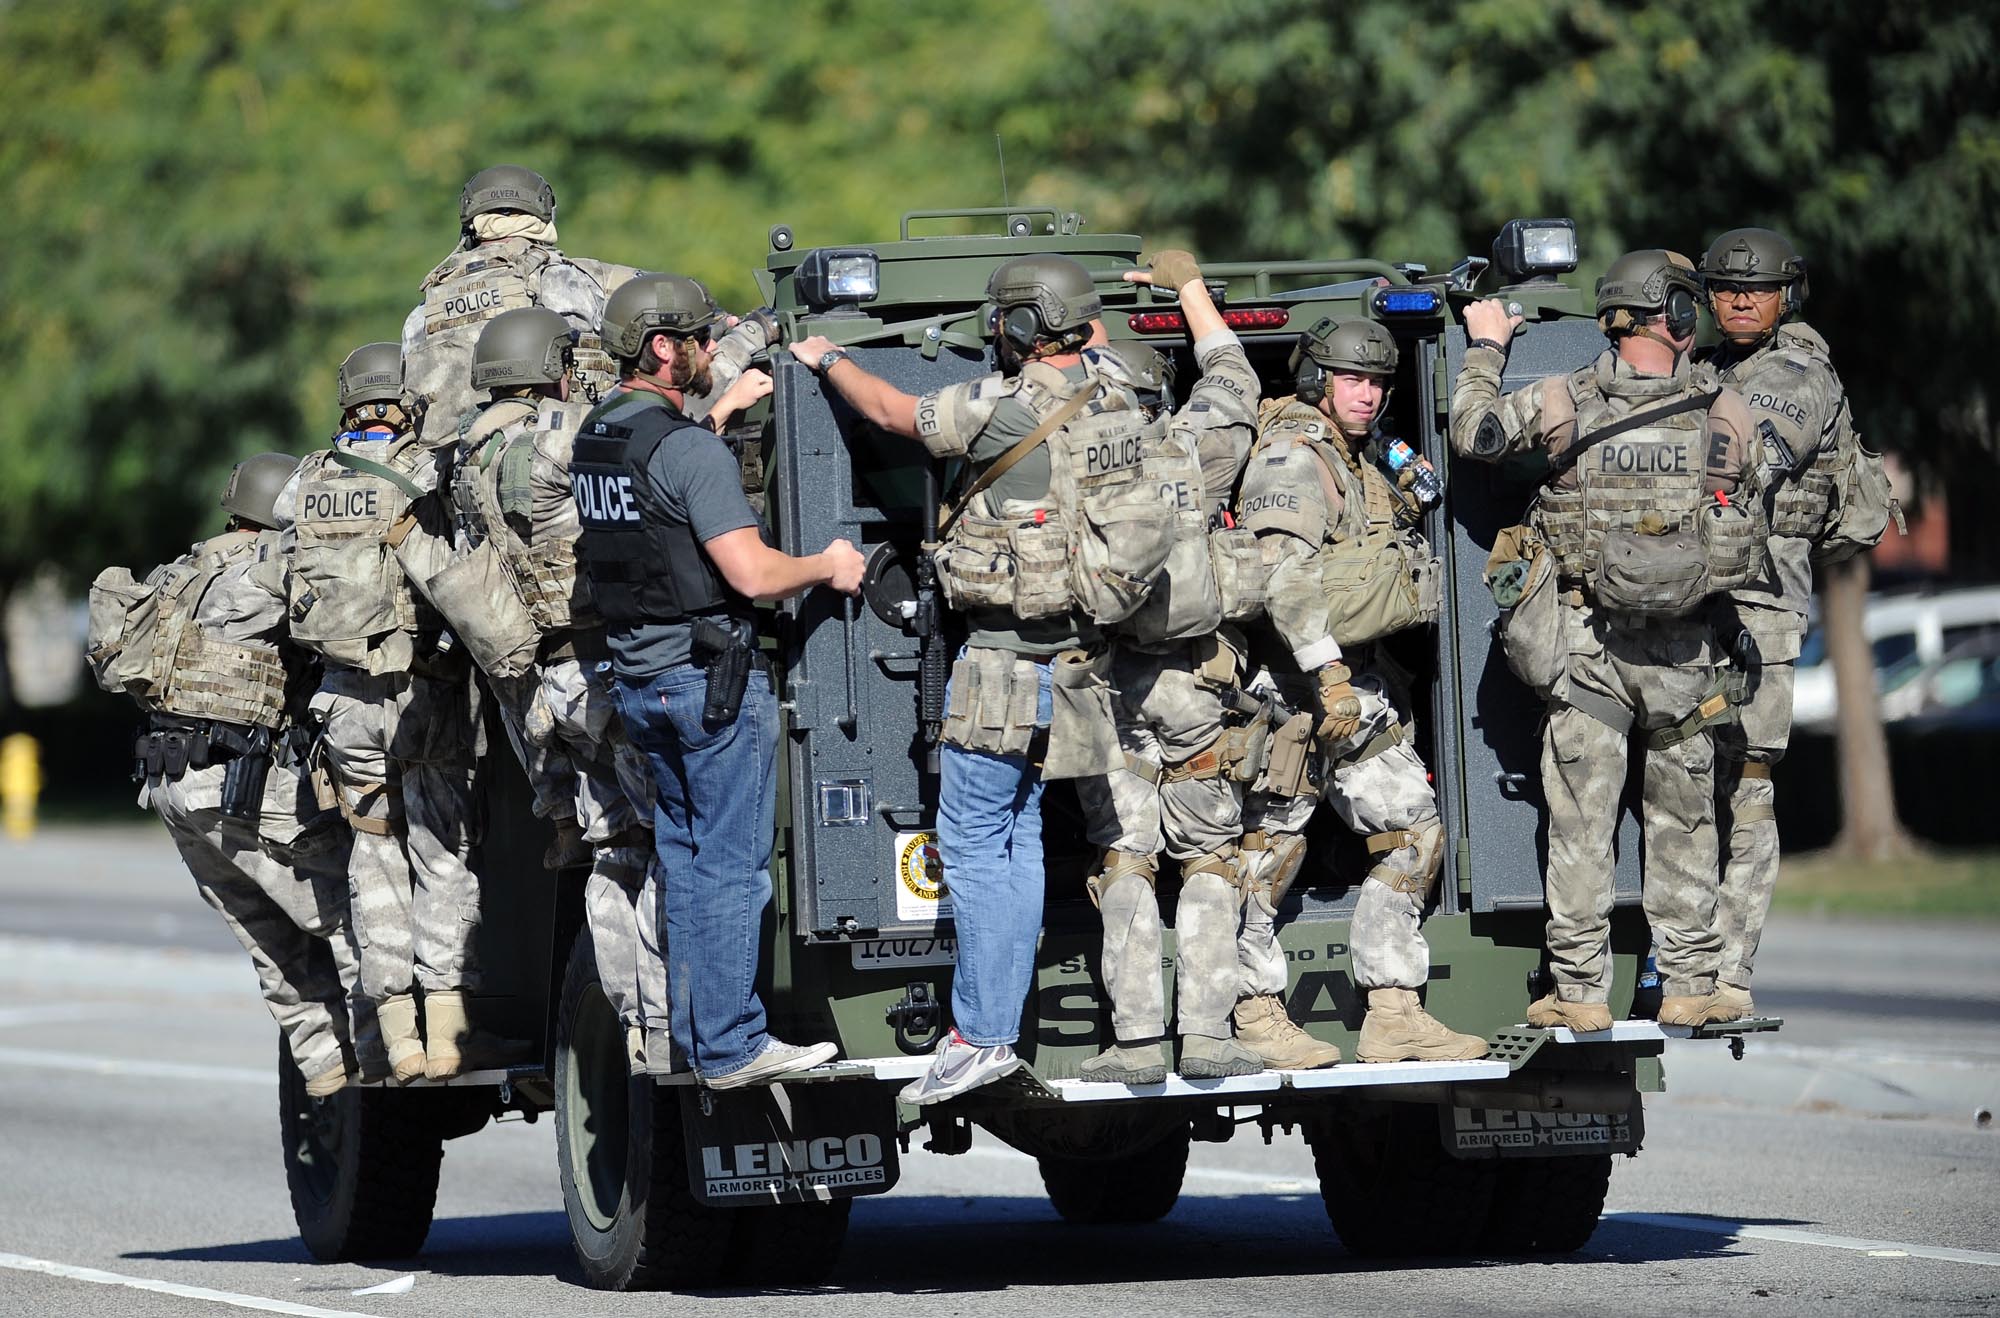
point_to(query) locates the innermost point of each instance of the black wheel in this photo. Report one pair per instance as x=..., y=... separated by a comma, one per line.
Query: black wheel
x=1546, y=1205
x=362, y=1167
x=1390, y=1189
x=1139, y=1186
x=788, y=1244
x=633, y=1220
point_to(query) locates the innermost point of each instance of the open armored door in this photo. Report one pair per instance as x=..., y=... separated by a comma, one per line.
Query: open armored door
x=1497, y=720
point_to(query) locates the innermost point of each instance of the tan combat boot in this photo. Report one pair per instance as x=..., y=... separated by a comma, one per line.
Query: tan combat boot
x=1398, y=1029
x=1730, y=998
x=1263, y=1027
x=444, y=1034
x=1702, y=1009
x=328, y=1082
x=1128, y=1064
x=1204, y=1058
x=397, y=1017
x=1583, y=1017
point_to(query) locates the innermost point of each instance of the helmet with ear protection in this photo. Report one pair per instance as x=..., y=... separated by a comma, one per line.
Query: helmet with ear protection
x=1646, y=283
x=1365, y=347
x=1758, y=256
x=1041, y=297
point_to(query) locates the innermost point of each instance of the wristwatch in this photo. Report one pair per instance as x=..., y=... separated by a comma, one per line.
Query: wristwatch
x=827, y=359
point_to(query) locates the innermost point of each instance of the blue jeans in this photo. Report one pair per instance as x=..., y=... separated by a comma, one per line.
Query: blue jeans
x=715, y=792
x=990, y=840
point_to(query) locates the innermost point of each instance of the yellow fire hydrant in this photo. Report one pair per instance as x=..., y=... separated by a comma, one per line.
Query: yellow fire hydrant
x=20, y=782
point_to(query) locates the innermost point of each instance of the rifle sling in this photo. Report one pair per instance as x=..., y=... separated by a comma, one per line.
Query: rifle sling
x=1005, y=462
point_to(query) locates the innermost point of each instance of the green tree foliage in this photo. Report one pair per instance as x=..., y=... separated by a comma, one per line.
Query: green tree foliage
x=213, y=202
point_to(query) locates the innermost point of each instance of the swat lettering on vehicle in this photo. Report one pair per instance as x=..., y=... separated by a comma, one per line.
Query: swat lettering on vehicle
x=604, y=498
x=775, y=1167
x=1505, y=1133
x=1642, y=459
x=330, y=503
x=1777, y=406
x=1072, y=1014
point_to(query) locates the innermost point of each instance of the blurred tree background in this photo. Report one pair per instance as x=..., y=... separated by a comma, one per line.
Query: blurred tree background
x=213, y=202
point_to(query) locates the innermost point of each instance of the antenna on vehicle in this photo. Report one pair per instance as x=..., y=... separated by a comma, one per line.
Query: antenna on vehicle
x=1001, y=151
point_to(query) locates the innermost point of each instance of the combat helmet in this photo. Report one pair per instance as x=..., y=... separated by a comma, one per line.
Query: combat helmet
x=1758, y=256
x=1649, y=282
x=650, y=304
x=1362, y=346
x=1149, y=371
x=372, y=373
x=525, y=346
x=1042, y=297
x=253, y=487
x=506, y=188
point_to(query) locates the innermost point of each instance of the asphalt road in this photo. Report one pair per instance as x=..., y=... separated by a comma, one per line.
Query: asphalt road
x=1838, y=1168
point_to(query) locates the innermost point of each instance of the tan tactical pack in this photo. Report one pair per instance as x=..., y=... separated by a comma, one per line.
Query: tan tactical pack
x=350, y=599
x=1377, y=578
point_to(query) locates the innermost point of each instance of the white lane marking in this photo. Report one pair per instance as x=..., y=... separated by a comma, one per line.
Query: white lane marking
x=56, y=1012
x=1792, y=1236
x=22, y=1263
x=1263, y=1181
x=135, y=1066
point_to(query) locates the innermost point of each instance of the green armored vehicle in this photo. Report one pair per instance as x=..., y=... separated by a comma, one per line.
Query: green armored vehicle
x=666, y=1183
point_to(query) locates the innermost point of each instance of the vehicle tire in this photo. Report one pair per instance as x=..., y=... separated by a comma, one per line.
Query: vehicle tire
x=362, y=1167
x=633, y=1220
x=788, y=1244
x=1546, y=1205
x=1391, y=1190
x=1141, y=1186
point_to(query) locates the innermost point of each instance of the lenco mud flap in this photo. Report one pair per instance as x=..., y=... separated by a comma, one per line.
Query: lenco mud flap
x=788, y=1144
x=1501, y=1132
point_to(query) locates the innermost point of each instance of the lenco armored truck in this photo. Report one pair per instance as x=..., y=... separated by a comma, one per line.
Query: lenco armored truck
x=669, y=1184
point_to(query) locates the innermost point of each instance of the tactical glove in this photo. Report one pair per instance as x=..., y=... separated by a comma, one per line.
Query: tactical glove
x=1340, y=707
x=1174, y=268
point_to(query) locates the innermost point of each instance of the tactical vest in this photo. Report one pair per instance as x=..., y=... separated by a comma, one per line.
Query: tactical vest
x=1802, y=501
x=156, y=652
x=1650, y=488
x=1096, y=541
x=494, y=493
x=348, y=593
x=643, y=563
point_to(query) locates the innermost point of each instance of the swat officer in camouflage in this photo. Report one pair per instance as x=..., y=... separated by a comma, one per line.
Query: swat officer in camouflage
x=675, y=559
x=397, y=714
x=1176, y=790
x=1349, y=570
x=1016, y=428
x=1756, y=284
x=512, y=594
x=1648, y=511
x=506, y=258
x=212, y=671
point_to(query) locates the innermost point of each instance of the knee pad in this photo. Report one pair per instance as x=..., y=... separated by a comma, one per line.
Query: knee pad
x=1271, y=862
x=1116, y=865
x=1418, y=876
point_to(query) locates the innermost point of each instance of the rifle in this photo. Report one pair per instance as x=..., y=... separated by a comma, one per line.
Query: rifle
x=933, y=664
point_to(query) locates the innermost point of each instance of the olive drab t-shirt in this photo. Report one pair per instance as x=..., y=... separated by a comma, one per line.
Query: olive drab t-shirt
x=979, y=420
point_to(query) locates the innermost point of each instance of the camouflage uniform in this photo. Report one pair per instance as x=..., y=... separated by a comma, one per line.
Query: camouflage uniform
x=279, y=880
x=1175, y=792
x=1620, y=672
x=1307, y=490
x=512, y=489
x=1791, y=388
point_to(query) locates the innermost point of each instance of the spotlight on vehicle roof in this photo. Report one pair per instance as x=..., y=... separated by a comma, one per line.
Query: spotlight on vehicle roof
x=829, y=276
x=1535, y=249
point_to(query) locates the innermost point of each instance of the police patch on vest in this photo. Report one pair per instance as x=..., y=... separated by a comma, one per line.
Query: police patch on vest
x=1642, y=459
x=1777, y=406
x=1115, y=453
x=604, y=498
x=340, y=501
x=1282, y=502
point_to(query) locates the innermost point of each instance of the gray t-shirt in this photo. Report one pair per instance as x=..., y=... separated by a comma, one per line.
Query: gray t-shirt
x=697, y=479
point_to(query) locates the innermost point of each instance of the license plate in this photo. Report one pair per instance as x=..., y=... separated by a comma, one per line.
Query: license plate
x=885, y=953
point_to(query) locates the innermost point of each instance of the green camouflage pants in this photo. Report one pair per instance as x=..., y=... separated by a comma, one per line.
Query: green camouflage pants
x=1656, y=673
x=401, y=749
x=286, y=901
x=1166, y=719
x=569, y=740
x=1382, y=792
x=1745, y=803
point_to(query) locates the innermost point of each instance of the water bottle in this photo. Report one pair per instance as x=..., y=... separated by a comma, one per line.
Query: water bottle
x=1646, y=994
x=1427, y=487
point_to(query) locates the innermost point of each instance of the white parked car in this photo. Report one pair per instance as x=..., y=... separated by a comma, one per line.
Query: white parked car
x=1909, y=635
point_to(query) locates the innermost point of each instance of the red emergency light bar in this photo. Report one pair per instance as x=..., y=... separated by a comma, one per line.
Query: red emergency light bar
x=1172, y=322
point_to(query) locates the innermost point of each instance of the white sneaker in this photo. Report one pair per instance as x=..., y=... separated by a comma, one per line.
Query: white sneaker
x=777, y=1059
x=960, y=1066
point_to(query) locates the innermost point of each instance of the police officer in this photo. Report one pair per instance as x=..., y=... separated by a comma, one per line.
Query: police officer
x=1044, y=312
x=1641, y=515
x=506, y=258
x=1756, y=283
x=528, y=619
x=397, y=715
x=676, y=560
x=216, y=764
x=1349, y=570
x=1176, y=790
